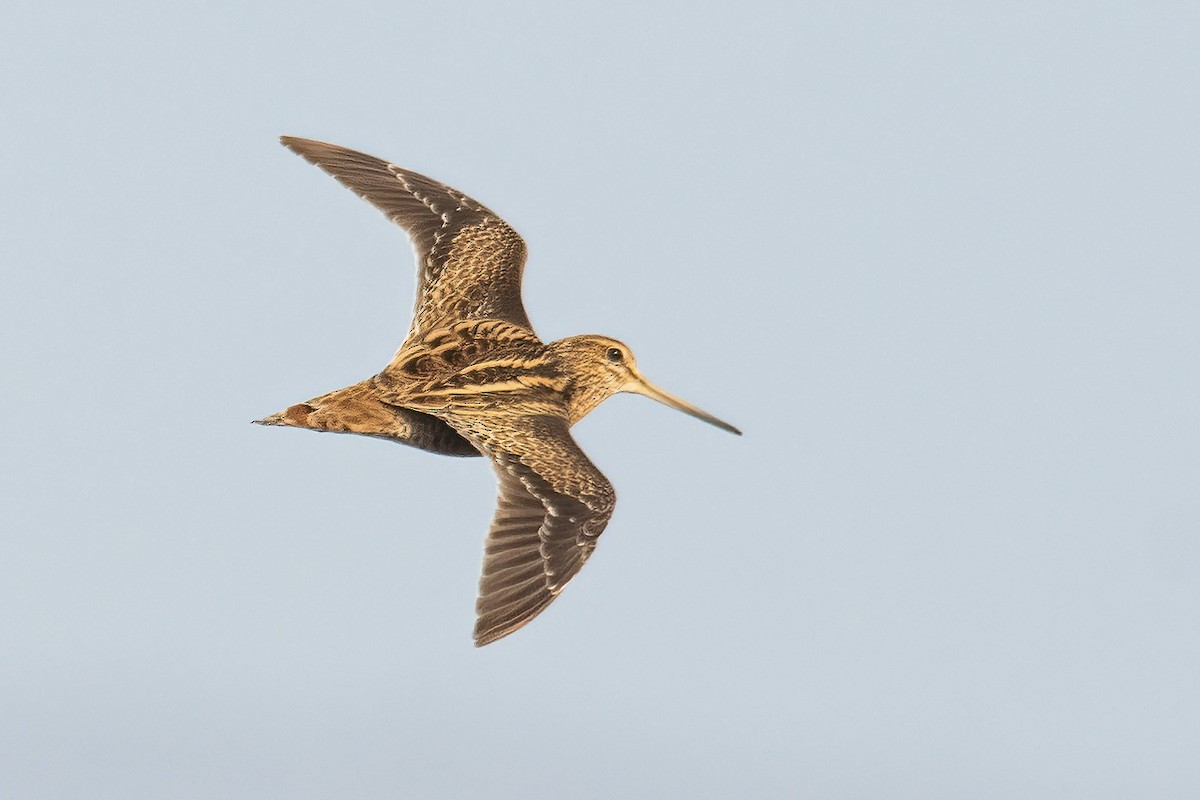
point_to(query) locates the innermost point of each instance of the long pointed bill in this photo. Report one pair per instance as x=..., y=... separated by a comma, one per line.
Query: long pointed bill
x=640, y=385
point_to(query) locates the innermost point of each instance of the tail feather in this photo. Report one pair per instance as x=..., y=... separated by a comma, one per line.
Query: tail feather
x=355, y=409
x=358, y=409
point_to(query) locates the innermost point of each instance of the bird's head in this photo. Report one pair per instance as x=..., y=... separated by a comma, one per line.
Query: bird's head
x=603, y=367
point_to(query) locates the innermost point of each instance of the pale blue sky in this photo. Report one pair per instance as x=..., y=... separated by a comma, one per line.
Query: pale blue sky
x=939, y=261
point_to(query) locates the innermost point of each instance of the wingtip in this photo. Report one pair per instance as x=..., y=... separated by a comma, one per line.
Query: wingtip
x=293, y=143
x=485, y=636
x=303, y=147
x=314, y=151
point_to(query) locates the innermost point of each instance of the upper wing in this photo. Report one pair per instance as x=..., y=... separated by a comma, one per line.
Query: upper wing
x=469, y=261
x=553, y=505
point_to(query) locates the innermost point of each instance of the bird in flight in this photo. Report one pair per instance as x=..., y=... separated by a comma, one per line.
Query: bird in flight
x=473, y=378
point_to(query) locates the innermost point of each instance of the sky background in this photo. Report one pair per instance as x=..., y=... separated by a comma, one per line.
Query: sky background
x=939, y=261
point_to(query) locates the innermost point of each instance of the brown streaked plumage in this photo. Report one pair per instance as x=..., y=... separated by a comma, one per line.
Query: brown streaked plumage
x=473, y=378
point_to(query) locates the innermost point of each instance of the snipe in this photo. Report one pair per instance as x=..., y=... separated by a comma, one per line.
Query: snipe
x=473, y=378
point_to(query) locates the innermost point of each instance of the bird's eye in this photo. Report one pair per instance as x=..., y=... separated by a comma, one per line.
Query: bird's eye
x=614, y=355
